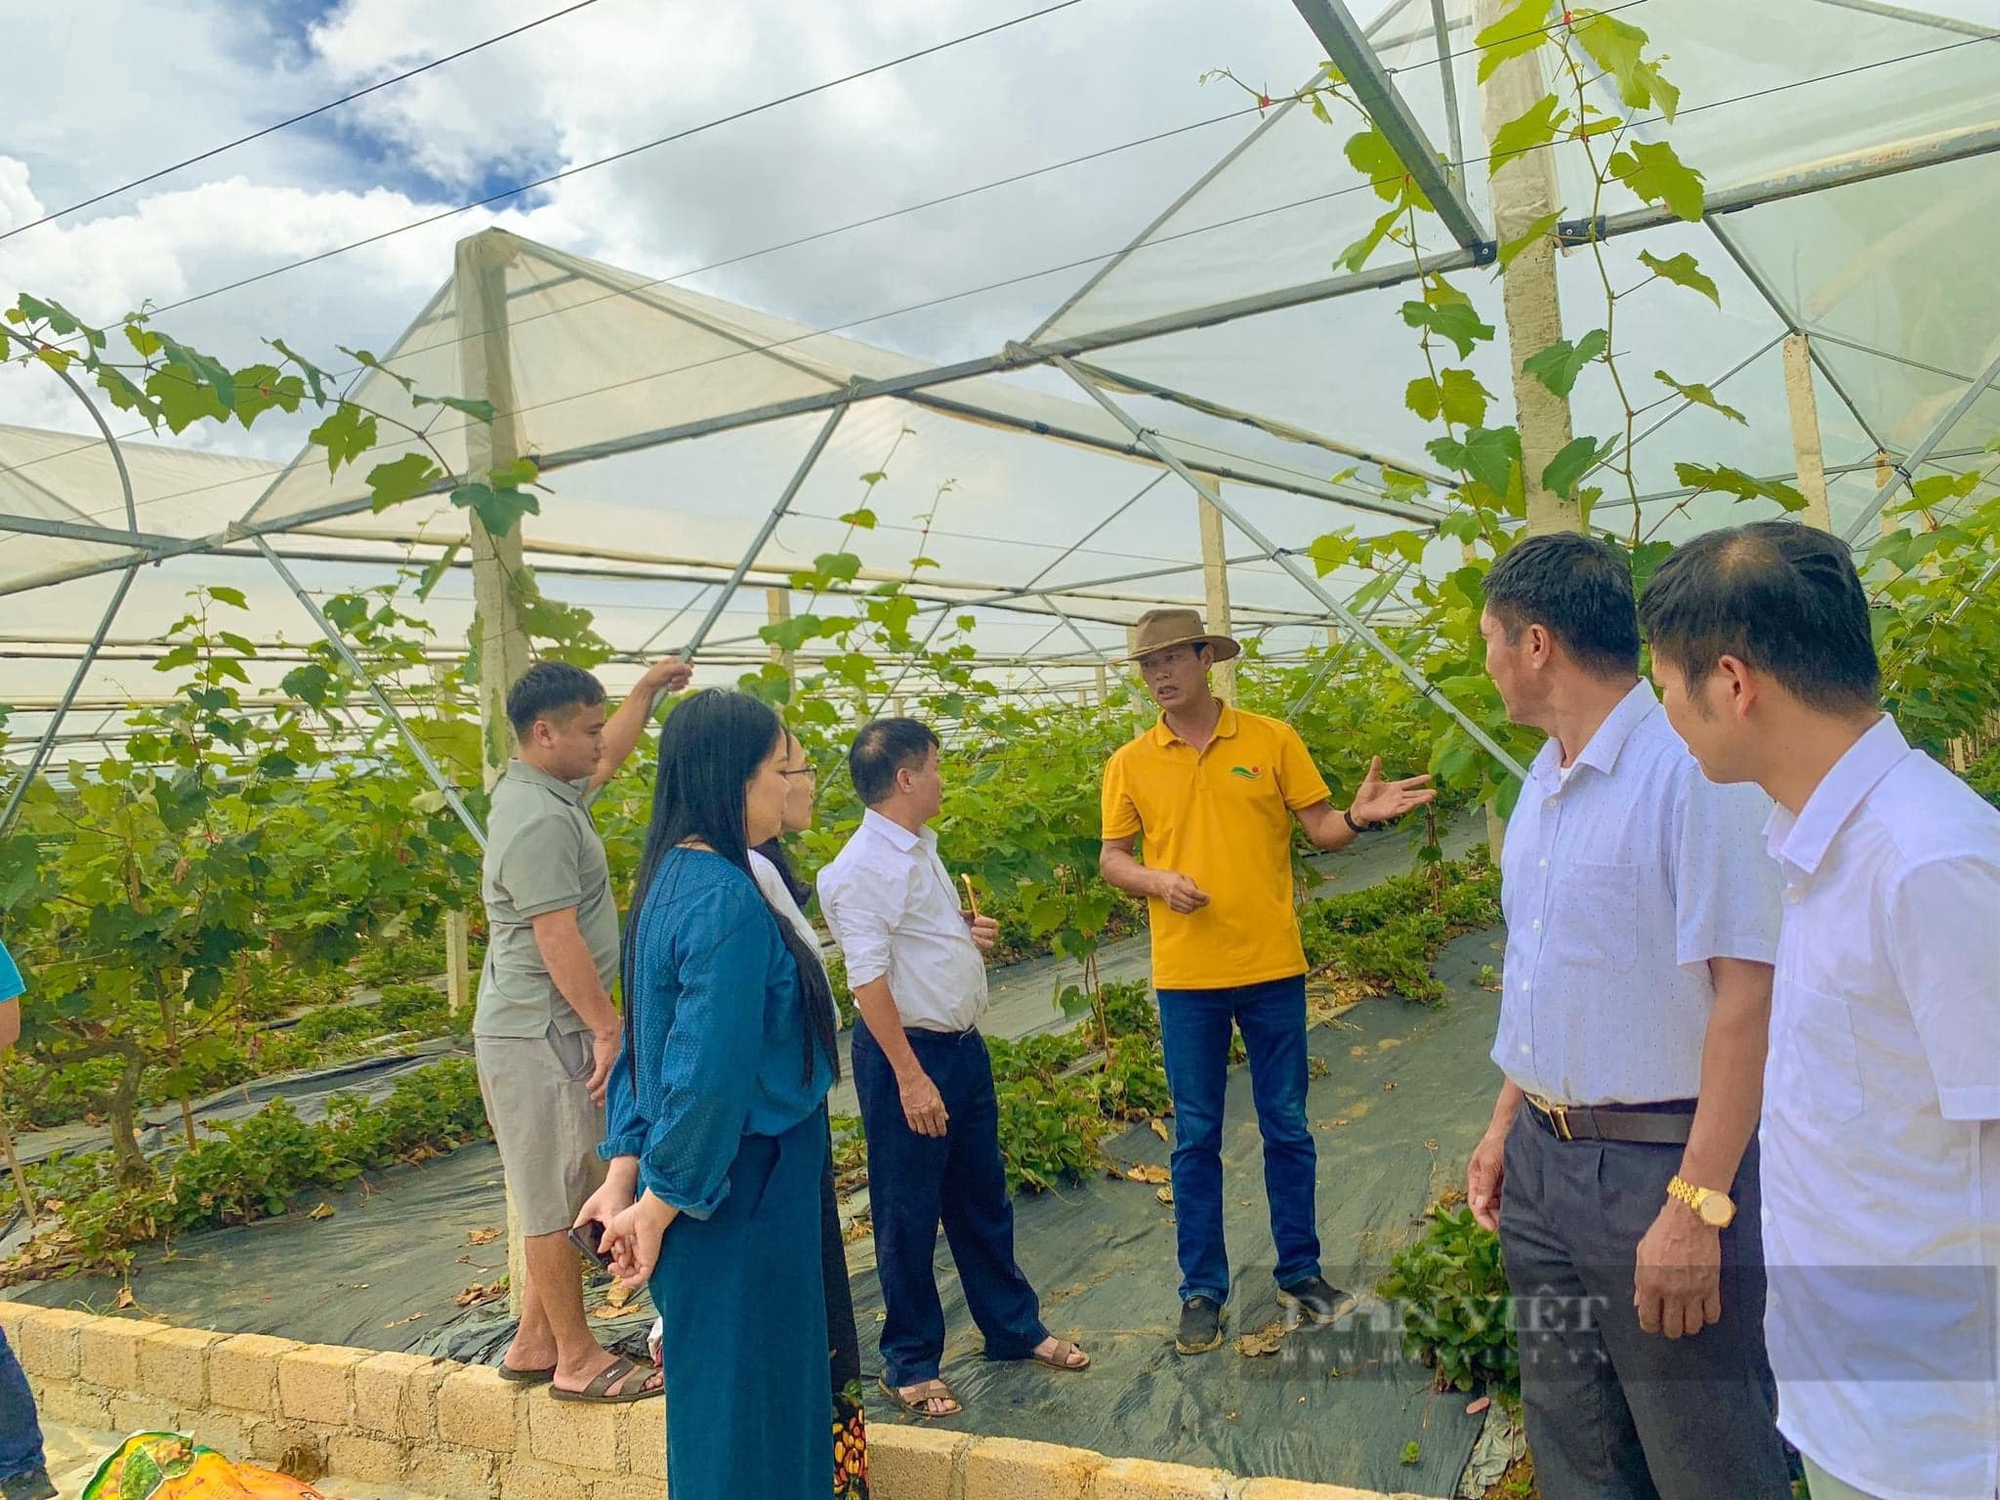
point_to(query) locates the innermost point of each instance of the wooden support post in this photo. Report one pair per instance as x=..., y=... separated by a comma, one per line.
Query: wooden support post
x=457, y=959
x=1215, y=585
x=1804, y=404
x=778, y=605
x=1103, y=685
x=486, y=372
x=1525, y=190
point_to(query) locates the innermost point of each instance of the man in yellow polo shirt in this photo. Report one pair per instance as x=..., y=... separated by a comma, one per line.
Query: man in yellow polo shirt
x=1213, y=791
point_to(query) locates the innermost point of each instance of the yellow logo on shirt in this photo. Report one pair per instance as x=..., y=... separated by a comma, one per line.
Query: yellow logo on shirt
x=1248, y=773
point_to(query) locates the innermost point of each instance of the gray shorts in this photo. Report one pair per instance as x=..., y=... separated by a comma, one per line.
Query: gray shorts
x=544, y=1123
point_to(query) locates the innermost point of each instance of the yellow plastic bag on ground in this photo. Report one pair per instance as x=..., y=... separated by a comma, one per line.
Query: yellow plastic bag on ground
x=172, y=1466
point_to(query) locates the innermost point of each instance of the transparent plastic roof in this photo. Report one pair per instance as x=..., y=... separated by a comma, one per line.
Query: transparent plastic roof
x=1853, y=146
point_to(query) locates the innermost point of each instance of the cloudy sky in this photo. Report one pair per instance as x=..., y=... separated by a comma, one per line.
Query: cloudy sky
x=125, y=88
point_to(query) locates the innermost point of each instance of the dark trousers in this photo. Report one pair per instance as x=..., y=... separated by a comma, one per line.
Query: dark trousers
x=1614, y=1412
x=1194, y=1032
x=914, y=1181
x=20, y=1433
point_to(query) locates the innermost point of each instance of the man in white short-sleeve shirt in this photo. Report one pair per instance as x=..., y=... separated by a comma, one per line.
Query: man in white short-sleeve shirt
x=1882, y=1093
x=1642, y=919
x=923, y=1078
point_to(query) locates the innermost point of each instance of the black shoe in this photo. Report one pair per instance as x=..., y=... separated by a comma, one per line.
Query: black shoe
x=1316, y=1300
x=33, y=1485
x=1201, y=1326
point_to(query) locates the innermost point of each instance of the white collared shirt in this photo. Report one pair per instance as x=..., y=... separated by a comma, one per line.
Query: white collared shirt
x=1881, y=1133
x=772, y=884
x=1621, y=878
x=893, y=911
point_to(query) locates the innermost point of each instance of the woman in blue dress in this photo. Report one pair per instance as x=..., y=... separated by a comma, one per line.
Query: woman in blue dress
x=717, y=1119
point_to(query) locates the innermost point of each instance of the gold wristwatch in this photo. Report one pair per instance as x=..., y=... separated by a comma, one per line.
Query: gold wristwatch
x=1712, y=1208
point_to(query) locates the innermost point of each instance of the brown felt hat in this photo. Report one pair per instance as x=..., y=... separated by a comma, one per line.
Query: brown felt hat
x=1159, y=629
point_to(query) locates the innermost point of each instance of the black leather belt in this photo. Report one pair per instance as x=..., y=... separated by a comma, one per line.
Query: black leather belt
x=1665, y=1124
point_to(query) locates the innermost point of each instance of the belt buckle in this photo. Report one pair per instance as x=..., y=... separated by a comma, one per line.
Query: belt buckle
x=1558, y=1117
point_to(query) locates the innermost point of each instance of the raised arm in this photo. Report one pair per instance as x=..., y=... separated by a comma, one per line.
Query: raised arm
x=623, y=729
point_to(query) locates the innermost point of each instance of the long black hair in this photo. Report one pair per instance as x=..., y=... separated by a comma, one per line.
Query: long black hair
x=711, y=745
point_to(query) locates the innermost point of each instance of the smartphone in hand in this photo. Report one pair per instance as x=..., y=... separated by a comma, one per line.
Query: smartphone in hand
x=588, y=1237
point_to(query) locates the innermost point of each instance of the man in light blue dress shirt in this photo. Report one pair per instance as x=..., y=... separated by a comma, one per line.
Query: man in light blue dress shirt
x=1642, y=919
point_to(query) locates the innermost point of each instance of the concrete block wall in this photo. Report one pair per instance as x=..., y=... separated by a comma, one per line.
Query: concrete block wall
x=460, y=1431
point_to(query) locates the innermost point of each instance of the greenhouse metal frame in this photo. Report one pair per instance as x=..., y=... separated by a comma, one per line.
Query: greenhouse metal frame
x=531, y=327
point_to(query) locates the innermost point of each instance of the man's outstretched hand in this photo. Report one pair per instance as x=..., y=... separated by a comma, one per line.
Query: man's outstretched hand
x=1379, y=801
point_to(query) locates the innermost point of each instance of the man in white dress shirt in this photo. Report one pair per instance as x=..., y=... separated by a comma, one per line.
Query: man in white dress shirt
x=1882, y=1095
x=1641, y=926
x=923, y=1078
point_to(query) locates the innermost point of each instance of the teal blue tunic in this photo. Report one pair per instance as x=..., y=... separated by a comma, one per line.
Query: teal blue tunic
x=714, y=1096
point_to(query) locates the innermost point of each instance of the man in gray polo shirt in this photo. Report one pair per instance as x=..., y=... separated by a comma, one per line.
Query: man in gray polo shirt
x=544, y=1032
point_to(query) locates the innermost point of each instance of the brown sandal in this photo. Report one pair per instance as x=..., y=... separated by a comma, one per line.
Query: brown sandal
x=929, y=1390
x=615, y=1373
x=1062, y=1364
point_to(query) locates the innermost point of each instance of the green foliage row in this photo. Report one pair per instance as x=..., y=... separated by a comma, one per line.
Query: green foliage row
x=245, y=1170
x=1457, y=1315
x=41, y=1095
x=1386, y=936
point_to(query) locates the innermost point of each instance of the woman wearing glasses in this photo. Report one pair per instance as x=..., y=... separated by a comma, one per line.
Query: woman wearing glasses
x=787, y=896
x=717, y=1118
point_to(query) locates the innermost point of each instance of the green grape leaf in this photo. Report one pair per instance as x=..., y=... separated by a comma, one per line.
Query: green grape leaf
x=862, y=519
x=1370, y=154
x=1456, y=395
x=404, y=479
x=1656, y=173
x=367, y=360
x=316, y=378
x=1516, y=33
x=1537, y=231
x=1355, y=256
x=478, y=409
x=1743, y=486
x=1531, y=130
x=346, y=434
x=498, y=509
x=1682, y=270
x=1558, y=366
x=1456, y=321
x=62, y=322
x=1577, y=458
x=182, y=399
x=1700, y=395
x=1489, y=455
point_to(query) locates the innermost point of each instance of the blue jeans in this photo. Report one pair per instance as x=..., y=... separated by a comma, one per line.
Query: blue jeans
x=20, y=1434
x=1194, y=1030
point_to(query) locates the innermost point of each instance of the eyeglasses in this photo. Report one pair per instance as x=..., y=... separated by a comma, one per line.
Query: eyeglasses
x=802, y=771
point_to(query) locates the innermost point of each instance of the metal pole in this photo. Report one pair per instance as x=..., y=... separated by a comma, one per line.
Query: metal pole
x=1914, y=17
x=728, y=590
x=353, y=663
x=1333, y=657
x=1908, y=467
x=1088, y=644
x=48, y=739
x=1305, y=580
x=1448, y=80
x=1358, y=64
x=110, y=613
